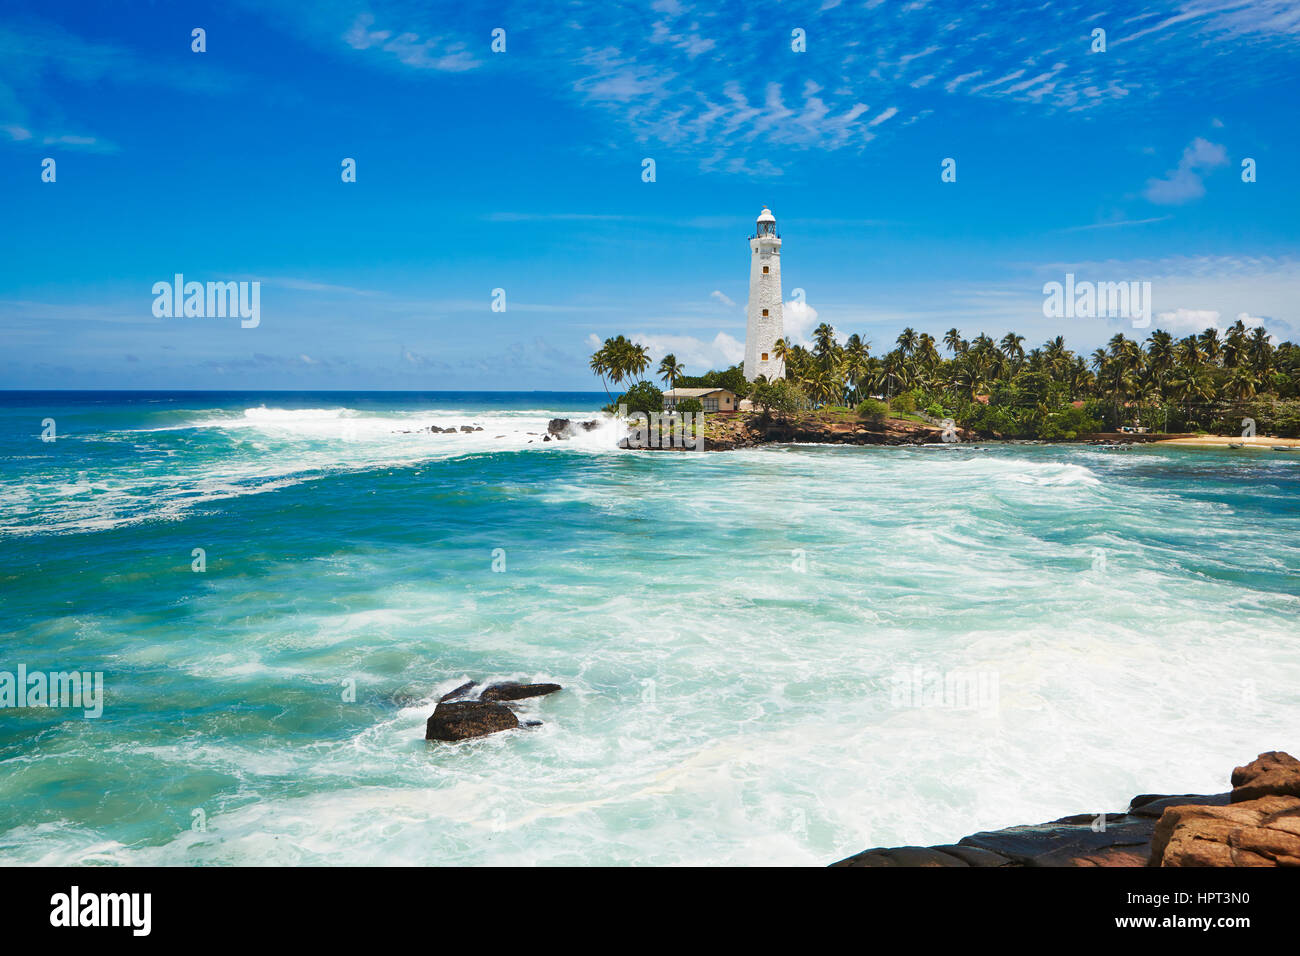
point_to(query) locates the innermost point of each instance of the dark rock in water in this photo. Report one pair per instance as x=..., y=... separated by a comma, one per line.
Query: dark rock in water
x=546, y=438
x=464, y=719
x=461, y=691
x=460, y=716
x=513, y=691
x=466, y=428
x=565, y=428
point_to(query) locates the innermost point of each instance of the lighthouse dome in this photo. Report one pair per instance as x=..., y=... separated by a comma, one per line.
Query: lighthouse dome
x=766, y=215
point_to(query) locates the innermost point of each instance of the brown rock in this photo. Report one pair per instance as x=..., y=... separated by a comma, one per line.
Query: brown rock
x=1270, y=774
x=513, y=691
x=1113, y=856
x=1261, y=832
x=463, y=719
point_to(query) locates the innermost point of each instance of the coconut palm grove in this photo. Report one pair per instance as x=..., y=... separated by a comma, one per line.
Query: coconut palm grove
x=998, y=388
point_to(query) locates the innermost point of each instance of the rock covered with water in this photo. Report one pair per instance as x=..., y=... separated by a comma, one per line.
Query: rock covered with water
x=439, y=430
x=561, y=428
x=465, y=712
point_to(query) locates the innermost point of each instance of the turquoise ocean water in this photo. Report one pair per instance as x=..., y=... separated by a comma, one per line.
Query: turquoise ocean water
x=741, y=635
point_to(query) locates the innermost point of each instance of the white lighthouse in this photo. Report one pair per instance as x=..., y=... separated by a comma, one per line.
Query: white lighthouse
x=763, y=324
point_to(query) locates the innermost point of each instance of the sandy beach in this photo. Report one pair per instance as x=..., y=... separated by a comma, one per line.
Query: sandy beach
x=1235, y=441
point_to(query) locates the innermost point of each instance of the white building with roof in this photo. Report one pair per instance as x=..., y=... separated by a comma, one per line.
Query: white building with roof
x=711, y=399
x=763, y=322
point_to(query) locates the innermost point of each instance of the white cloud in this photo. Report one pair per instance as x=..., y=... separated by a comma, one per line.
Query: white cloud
x=1181, y=322
x=1183, y=183
x=799, y=319
x=698, y=355
x=721, y=297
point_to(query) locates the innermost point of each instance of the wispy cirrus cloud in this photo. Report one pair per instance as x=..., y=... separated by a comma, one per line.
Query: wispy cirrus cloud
x=36, y=55
x=723, y=83
x=410, y=49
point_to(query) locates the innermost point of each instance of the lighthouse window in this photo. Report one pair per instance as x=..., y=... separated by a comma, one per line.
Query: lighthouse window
x=764, y=357
x=765, y=311
x=765, y=269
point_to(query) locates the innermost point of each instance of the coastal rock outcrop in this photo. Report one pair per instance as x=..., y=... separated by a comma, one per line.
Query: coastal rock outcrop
x=464, y=712
x=1259, y=827
x=1270, y=774
x=1257, y=824
x=560, y=428
x=729, y=432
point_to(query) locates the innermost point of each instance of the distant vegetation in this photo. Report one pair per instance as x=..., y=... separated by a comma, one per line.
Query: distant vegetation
x=1204, y=382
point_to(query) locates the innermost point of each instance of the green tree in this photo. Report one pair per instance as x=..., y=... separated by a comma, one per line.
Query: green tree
x=670, y=369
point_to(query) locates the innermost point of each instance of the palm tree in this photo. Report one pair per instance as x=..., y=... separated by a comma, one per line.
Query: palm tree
x=824, y=342
x=782, y=352
x=1261, y=351
x=1242, y=383
x=1190, y=384
x=820, y=385
x=1210, y=345
x=856, y=353
x=956, y=344
x=602, y=365
x=1013, y=346
x=669, y=369
x=635, y=359
x=907, y=341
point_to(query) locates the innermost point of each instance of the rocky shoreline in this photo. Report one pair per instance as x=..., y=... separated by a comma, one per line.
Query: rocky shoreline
x=1257, y=823
x=725, y=434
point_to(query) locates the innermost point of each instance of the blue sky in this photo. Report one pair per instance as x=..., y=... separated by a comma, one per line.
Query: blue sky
x=522, y=170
